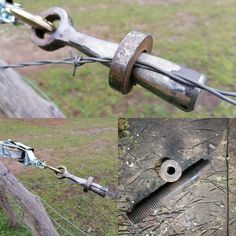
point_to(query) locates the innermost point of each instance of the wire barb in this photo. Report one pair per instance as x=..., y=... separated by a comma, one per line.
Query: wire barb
x=79, y=61
x=76, y=62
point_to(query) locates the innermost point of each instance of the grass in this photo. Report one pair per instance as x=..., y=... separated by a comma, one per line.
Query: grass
x=7, y=230
x=199, y=34
x=87, y=148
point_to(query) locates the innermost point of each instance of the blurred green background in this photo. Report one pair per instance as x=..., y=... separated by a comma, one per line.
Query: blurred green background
x=87, y=148
x=197, y=33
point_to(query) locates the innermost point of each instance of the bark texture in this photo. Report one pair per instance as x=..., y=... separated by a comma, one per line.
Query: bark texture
x=201, y=209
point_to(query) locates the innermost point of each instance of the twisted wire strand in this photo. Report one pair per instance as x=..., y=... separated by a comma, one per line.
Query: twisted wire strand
x=79, y=61
x=82, y=232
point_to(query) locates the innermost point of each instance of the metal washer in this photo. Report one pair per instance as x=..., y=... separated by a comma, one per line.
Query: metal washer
x=170, y=171
x=132, y=46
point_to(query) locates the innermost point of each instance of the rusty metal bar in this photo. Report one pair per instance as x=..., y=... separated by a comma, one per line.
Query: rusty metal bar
x=182, y=95
x=165, y=193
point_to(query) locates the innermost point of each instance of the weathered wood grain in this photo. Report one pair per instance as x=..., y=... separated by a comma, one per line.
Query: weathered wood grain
x=35, y=216
x=4, y=203
x=232, y=176
x=201, y=207
x=19, y=100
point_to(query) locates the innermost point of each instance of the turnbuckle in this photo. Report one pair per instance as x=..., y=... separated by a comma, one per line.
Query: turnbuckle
x=5, y=12
x=25, y=155
x=13, y=12
x=20, y=152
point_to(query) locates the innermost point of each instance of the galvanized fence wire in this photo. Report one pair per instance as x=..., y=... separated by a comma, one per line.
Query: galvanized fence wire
x=79, y=229
x=79, y=61
x=18, y=211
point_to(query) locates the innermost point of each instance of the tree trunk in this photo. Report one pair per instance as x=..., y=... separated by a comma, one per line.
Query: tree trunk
x=19, y=100
x=35, y=215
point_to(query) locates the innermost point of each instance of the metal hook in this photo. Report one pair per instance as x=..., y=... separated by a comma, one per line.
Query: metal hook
x=34, y=21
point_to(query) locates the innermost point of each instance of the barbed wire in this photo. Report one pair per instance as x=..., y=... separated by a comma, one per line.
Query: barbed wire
x=79, y=61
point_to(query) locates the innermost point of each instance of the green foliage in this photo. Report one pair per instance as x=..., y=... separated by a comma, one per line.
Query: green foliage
x=7, y=230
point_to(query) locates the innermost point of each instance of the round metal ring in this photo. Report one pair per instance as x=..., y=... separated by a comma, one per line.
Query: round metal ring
x=170, y=171
x=133, y=45
x=48, y=41
x=63, y=170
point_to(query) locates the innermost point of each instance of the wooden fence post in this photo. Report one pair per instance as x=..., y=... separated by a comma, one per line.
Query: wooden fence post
x=6, y=206
x=35, y=216
x=19, y=100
